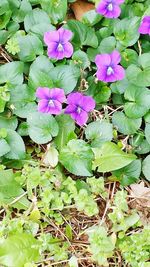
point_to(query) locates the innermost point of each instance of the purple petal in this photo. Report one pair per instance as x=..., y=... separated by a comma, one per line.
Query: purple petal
x=74, y=98
x=118, y=2
x=64, y=35
x=70, y=109
x=146, y=19
x=43, y=93
x=119, y=72
x=57, y=94
x=144, y=27
x=115, y=57
x=52, y=36
x=102, y=7
x=81, y=118
x=43, y=106
x=56, y=109
x=87, y=103
x=103, y=60
x=101, y=73
x=115, y=13
x=68, y=50
x=52, y=50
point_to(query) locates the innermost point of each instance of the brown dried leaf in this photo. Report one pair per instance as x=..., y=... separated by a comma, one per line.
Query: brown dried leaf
x=141, y=193
x=80, y=8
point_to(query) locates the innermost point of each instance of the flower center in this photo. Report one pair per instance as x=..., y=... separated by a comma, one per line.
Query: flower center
x=79, y=110
x=110, y=7
x=110, y=71
x=60, y=47
x=51, y=103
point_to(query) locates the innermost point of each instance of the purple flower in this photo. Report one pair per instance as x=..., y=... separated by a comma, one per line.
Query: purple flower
x=50, y=100
x=109, y=8
x=145, y=25
x=79, y=106
x=58, y=43
x=108, y=68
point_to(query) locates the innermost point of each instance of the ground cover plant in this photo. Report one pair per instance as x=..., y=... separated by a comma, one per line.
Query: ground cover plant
x=74, y=133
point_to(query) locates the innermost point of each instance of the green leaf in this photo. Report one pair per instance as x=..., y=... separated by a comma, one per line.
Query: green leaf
x=124, y=124
x=30, y=46
x=34, y=18
x=99, y=132
x=146, y=167
x=12, y=73
x=83, y=35
x=4, y=147
x=77, y=158
x=38, y=22
x=10, y=190
x=129, y=56
x=110, y=157
x=139, y=101
x=129, y=174
x=17, y=147
x=139, y=76
x=65, y=77
x=23, y=129
x=4, y=19
x=98, y=90
x=8, y=122
x=18, y=249
x=56, y=9
x=42, y=127
x=22, y=101
x=66, y=130
x=39, y=74
x=147, y=132
x=91, y=18
x=80, y=59
x=19, y=14
x=107, y=45
x=126, y=31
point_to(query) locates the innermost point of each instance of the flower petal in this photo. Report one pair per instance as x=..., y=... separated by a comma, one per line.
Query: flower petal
x=81, y=118
x=118, y=2
x=144, y=28
x=87, y=103
x=68, y=49
x=64, y=35
x=43, y=106
x=57, y=94
x=115, y=57
x=102, y=7
x=74, y=98
x=101, y=73
x=115, y=13
x=52, y=50
x=52, y=36
x=70, y=109
x=119, y=72
x=103, y=60
x=56, y=109
x=43, y=93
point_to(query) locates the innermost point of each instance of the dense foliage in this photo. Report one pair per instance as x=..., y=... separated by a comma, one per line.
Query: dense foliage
x=74, y=133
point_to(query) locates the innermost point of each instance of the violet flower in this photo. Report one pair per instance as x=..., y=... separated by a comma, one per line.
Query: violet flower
x=109, y=8
x=58, y=43
x=50, y=100
x=145, y=25
x=108, y=68
x=79, y=106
